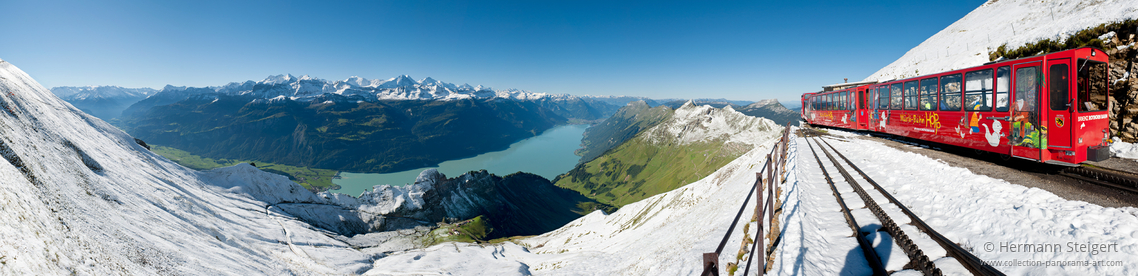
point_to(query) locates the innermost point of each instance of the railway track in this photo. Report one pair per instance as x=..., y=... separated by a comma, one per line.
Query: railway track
x=1100, y=176
x=909, y=235
x=1103, y=177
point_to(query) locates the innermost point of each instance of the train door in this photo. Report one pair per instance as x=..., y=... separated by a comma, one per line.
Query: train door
x=1059, y=111
x=1026, y=132
x=862, y=114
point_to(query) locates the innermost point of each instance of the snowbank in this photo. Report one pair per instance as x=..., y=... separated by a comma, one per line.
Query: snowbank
x=966, y=42
x=992, y=217
x=1122, y=149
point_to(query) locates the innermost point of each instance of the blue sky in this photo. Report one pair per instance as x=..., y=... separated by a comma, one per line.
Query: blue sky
x=739, y=50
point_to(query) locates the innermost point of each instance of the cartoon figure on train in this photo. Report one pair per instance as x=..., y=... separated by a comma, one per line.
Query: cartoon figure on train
x=1024, y=133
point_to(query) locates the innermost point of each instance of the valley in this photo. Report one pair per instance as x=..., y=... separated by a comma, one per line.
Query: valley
x=547, y=155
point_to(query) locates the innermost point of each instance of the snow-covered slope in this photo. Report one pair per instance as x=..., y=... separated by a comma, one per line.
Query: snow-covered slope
x=967, y=42
x=78, y=196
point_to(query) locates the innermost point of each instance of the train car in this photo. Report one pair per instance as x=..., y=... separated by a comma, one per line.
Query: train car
x=1050, y=108
x=805, y=109
x=839, y=105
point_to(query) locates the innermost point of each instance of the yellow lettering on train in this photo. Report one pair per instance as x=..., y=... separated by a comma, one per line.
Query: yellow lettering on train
x=928, y=119
x=828, y=115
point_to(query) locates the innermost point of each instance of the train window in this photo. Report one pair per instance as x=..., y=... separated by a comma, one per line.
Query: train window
x=911, y=95
x=895, y=96
x=978, y=90
x=861, y=98
x=950, y=92
x=1092, y=81
x=1027, y=88
x=883, y=97
x=870, y=95
x=829, y=101
x=1003, y=85
x=928, y=94
x=1058, y=85
x=837, y=100
x=844, y=101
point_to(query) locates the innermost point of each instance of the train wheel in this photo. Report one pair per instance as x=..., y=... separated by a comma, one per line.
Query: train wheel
x=1005, y=157
x=978, y=152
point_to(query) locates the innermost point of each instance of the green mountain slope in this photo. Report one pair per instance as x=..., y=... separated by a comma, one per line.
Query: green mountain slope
x=691, y=144
x=625, y=124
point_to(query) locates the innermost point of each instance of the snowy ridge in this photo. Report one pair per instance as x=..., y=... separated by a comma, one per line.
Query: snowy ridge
x=691, y=123
x=966, y=42
x=397, y=88
x=387, y=199
x=94, y=92
x=79, y=196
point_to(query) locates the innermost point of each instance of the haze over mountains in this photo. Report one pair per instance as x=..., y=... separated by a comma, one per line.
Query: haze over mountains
x=106, y=102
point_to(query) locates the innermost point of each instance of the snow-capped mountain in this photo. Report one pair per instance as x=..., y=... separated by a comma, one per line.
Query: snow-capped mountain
x=69, y=93
x=691, y=123
x=1015, y=23
x=397, y=88
x=105, y=102
x=770, y=109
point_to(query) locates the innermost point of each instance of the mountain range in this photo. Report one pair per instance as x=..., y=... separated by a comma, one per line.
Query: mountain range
x=106, y=102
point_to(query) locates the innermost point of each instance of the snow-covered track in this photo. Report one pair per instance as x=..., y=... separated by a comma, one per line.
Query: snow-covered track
x=870, y=254
x=919, y=260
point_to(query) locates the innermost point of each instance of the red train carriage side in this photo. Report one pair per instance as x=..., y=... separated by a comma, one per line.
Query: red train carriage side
x=840, y=105
x=805, y=107
x=1050, y=108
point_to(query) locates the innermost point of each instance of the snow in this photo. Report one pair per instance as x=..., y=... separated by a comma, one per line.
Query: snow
x=968, y=41
x=80, y=197
x=666, y=234
x=974, y=211
x=691, y=123
x=100, y=92
x=398, y=88
x=1125, y=150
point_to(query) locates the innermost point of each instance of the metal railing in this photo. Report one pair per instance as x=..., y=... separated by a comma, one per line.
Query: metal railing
x=774, y=167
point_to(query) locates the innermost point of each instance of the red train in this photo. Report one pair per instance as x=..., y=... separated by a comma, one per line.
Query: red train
x=1050, y=108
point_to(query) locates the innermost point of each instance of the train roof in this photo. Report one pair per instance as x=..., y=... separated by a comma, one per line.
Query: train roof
x=841, y=86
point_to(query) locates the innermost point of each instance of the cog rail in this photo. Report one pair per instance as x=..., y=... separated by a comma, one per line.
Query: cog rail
x=1104, y=177
x=919, y=260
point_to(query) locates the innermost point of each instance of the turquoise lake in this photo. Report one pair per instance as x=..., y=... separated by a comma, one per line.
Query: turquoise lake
x=547, y=155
